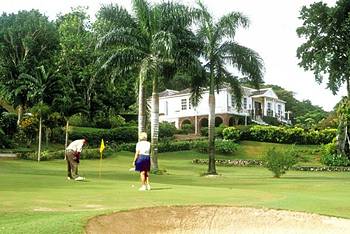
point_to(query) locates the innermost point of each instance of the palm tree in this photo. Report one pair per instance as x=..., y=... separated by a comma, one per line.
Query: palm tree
x=221, y=49
x=68, y=105
x=41, y=90
x=143, y=42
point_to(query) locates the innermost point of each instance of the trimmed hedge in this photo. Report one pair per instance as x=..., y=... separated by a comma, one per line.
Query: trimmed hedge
x=94, y=135
x=51, y=155
x=116, y=135
x=221, y=146
x=286, y=135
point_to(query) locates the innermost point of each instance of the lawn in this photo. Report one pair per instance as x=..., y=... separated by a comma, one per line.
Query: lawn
x=37, y=198
x=256, y=150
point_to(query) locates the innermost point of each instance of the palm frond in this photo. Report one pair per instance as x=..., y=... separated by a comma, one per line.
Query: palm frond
x=198, y=84
x=229, y=23
x=143, y=15
x=246, y=60
x=116, y=15
x=235, y=87
x=205, y=21
x=121, y=37
x=163, y=43
x=124, y=56
x=172, y=16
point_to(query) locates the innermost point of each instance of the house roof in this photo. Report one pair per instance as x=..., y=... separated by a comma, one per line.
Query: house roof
x=258, y=92
x=168, y=92
x=246, y=90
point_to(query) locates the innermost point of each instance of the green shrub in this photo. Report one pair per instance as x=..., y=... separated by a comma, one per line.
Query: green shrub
x=100, y=120
x=130, y=147
x=244, y=132
x=29, y=126
x=225, y=147
x=59, y=154
x=170, y=146
x=79, y=120
x=167, y=146
x=166, y=130
x=186, y=129
x=221, y=146
x=290, y=135
x=116, y=121
x=330, y=157
x=115, y=135
x=279, y=161
x=271, y=120
x=204, y=131
x=4, y=141
x=8, y=123
x=219, y=130
x=231, y=133
x=58, y=135
x=200, y=146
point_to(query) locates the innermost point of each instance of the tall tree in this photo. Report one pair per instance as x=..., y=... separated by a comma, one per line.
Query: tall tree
x=41, y=90
x=326, y=50
x=326, y=53
x=27, y=40
x=144, y=43
x=221, y=49
x=77, y=56
x=68, y=104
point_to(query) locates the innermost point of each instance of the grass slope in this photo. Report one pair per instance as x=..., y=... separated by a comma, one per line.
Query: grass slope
x=37, y=198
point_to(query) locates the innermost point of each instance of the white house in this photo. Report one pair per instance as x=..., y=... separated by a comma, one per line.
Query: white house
x=175, y=107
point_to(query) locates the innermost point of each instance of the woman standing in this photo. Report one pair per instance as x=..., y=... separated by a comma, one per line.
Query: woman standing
x=142, y=160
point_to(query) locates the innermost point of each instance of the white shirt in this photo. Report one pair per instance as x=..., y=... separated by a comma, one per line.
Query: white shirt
x=76, y=145
x=143, y=147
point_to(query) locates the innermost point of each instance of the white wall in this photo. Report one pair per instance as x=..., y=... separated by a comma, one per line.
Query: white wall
x=170, y=106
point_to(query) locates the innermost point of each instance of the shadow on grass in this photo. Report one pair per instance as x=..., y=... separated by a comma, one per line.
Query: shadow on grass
x=159, y=189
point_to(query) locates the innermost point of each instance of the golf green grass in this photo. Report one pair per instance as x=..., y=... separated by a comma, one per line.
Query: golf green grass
x=37, y=197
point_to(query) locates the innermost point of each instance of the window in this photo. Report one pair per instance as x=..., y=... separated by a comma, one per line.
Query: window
x=269, y=106
x=233, y=101
x=183, y=104
x=269, y=111
x=189, y=104
x=279, y=110
x=245, y=103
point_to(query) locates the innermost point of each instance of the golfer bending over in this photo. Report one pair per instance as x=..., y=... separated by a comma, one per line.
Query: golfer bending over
x=142, y=161
x=73, y=157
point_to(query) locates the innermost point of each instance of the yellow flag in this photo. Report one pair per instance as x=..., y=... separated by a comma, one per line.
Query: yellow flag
x=102, y=147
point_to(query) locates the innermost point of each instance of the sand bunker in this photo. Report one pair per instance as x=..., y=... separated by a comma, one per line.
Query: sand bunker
x=216, y=219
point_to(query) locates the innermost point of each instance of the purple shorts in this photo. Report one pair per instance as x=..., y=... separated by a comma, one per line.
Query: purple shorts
x=143, y=163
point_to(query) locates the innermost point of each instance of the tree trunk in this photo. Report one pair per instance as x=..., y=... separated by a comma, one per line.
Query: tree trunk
x=155, y=125
x=343, y=133
x=47, y=133
x=66, y=141
x=142, y=107
x=39, y=145
x=211, y=128
x=19, y=114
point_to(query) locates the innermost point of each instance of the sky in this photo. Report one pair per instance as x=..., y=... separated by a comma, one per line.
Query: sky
x=272, y=33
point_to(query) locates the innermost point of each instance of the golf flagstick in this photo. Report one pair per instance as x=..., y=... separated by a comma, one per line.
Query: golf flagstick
x=102, y=147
